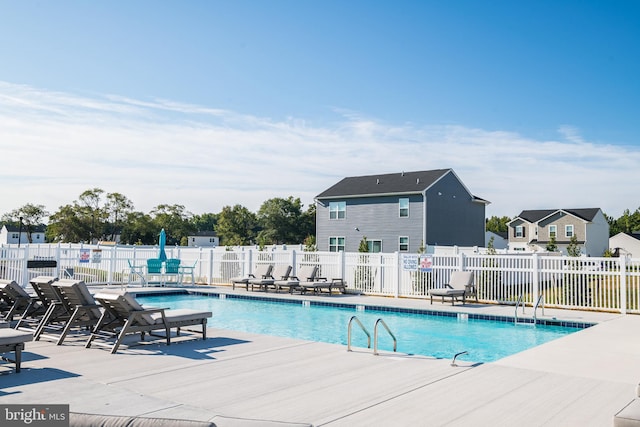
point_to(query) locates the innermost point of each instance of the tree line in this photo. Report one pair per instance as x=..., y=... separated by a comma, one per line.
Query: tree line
x=99, y=216
x=627, y=223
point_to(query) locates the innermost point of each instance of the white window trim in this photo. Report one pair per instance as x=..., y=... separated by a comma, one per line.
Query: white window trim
x=400, y=244
x=555, y=231
x=566, y=230
x=400, y=208
x=338, y=210
x=521, y=229
x=344, y=243
x=370, y=244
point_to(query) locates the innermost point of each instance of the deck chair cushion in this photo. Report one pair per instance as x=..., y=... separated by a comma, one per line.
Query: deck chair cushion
x=177, y=315
x=80, y=289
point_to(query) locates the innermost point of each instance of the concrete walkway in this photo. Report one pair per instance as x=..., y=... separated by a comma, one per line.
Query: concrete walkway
x=580, y=380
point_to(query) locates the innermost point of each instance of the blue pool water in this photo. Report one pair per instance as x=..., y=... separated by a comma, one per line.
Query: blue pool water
x=428, y=335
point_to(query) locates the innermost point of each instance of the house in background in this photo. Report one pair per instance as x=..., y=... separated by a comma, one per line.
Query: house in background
x=626, y=244
x=399, y=212
x=204, y=239
x=11, y=234
x=532, y=230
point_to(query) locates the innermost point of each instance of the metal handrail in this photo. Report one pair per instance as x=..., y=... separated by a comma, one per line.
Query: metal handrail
x=375, y=336
x=453, y=362
x=535, y=309
x=361, y=327
x=520, y=301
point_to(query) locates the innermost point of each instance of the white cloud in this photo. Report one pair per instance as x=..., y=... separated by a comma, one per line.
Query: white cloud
x=56, y=145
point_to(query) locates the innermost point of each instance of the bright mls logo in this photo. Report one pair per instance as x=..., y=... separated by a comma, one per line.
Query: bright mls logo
x=34, y=415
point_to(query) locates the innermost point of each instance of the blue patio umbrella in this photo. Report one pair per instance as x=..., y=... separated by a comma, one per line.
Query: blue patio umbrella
x=162, y=241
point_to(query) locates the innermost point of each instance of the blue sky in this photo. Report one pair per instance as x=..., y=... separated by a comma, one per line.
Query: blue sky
x=534, y=104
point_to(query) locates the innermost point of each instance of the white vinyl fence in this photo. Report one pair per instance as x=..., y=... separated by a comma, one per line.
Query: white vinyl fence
x=604, y=284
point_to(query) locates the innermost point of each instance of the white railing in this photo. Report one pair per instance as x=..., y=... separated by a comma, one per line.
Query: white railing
x=604, y=284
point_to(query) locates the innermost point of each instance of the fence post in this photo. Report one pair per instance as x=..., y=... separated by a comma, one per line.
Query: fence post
x=112, y=266
x=535, y=291
x=461, y=263
x=343, y=266
x=293, y=262
x=623, y=284
x=211, y=260
x=396, y=291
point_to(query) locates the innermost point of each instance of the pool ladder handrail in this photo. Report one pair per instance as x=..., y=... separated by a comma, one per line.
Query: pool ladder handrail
x=535, y=308
x=375, y=336
x=518, y=302
x=361, y=327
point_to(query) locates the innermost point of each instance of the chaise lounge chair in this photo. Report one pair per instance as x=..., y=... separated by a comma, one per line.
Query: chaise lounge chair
x=123, y=315
x=460, y=286
x=56, y=313
x=306, y=273
x=262, y=271
x=76, y=299
x=280, y=272
x=322, y=283
x=17, y=302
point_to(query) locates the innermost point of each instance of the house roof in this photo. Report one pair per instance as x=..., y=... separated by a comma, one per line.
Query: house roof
x=34, y=228
x=205, y=234
x=384, y=184
x=534, y=216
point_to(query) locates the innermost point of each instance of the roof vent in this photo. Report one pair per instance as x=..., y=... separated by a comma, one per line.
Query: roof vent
x=402, y=173
x=417, y=180
x=378, y=181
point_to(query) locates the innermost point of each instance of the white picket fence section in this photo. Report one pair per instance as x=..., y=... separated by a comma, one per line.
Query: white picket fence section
x=602, y=284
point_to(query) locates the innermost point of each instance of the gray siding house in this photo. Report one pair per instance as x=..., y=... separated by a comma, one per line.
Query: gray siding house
x=399, y=212
x=532, y=230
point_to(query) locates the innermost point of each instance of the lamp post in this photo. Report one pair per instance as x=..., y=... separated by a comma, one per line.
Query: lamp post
x=20, y=232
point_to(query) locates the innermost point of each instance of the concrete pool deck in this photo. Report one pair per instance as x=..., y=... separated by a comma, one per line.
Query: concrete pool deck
x=579, y=380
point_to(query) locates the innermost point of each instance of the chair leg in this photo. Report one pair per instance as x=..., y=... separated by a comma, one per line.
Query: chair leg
x=76, y=314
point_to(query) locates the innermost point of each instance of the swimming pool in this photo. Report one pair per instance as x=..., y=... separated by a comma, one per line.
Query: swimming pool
x=439, y=336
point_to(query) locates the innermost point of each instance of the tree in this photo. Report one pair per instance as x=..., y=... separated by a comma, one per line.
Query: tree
x=281, y=221
x=627, y=223
x=573, y=249
x=497, y=224
x=491, y=250
x=116, y=210
x=552, y=246
x=139, y=229
x=66, y=226
x=91, y=214
x=31, y=216
x=236, y=226
x=205, y=222
x=175, y=220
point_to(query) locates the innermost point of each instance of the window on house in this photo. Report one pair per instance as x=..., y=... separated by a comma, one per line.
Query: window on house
x=519, y=231
x=403, y=244
x=404, y=208
x=374, y=245
x=337, y=210
x=14, y=236
x=568, y=231
x=553, y=231
x=336, y=244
